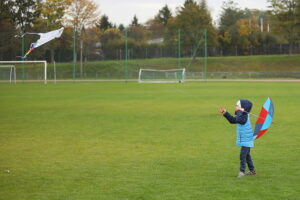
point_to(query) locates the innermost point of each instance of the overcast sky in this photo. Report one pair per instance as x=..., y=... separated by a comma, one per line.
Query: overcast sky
x=120, y=11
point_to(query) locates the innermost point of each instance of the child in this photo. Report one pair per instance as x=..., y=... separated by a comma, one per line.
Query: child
x=244, y=136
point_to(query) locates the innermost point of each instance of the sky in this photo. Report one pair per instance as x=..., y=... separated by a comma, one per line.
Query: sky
x=122, y=11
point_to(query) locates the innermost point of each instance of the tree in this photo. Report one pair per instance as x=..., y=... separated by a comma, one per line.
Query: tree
x=192, y=19
x=5, y=12
x=156, y=28
x=238, y=28
x=104, y=23
x=50, y=19
x=121, y=27
x=164, y=15
x=92, y=44
x=7, y=30
x=229, y=16
x=82, y=14
x=16, y=17
x=286, y=20
x=24, y=13
x=9, y=46
x=111, y=39
x=135, y=21
x=187, y=2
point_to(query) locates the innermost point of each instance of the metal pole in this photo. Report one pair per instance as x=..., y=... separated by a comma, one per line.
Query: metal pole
x=23, y=70
x=126, y=55
x=54, y=71
x=15, y=74
x=10, y=74
x=179, y=50
x=205, y=54
x=74, y=53
x=45, y=78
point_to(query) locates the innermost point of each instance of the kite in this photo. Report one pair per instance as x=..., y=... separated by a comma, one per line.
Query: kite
x=265, y=119
x=44, y=38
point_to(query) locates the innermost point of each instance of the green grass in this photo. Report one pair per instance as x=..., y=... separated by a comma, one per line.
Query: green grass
x=82, y=141
x=271, y=63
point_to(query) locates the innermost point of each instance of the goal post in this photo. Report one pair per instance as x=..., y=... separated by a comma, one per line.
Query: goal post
x=23, y=63
x=161, y=76
x=8, y=72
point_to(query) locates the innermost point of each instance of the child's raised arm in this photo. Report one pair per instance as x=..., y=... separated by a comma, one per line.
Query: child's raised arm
x=240, y=118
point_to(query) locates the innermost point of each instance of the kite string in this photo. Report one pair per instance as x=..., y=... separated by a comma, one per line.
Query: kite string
x=217, y=106
x=257, y=116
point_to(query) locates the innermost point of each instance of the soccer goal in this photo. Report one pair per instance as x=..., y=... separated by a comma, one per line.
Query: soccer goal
x=8, y=73
x=26, y=70
x=162, y=76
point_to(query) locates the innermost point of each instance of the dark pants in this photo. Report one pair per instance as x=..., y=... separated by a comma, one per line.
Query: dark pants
x=245, y=157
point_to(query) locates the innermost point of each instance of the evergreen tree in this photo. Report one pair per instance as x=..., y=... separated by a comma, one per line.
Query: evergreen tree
x=121, y=27
x=193, y=19
x=164, y=15
x=229, y=16
x=104, y=23
x=187, y=2
x=135, y=21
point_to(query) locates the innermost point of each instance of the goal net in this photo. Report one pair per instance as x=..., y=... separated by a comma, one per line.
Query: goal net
x=7, y=73
x=161, y=76
x=24, y=71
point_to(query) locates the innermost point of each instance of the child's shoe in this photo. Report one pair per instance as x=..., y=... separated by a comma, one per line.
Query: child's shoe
x=251, y=173
x=241, y=174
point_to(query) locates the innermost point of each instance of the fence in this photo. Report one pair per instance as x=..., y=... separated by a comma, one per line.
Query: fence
x=120, y=55
x=191, y=76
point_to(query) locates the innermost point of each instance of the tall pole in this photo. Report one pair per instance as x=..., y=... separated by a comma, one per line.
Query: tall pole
x=179, y=50
x=23, y=70
x=54, y=71
x=45, y=71
x=126, y=55
x=205, y=54
x=74, y=53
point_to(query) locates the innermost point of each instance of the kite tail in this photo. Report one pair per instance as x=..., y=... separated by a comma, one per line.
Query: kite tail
x=28, y=52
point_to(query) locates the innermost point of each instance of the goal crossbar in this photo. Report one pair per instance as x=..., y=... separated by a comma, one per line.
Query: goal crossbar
x=34, y=61
x=163, y=70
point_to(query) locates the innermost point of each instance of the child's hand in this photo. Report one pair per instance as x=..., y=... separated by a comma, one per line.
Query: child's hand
x=222, y=110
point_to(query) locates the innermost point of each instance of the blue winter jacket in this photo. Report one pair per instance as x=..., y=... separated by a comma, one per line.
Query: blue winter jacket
x=244, y=133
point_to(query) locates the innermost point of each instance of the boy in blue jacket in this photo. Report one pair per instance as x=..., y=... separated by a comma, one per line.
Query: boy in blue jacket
x=244, y=134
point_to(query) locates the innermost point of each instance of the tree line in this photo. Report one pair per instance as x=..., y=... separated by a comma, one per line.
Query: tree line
x=95, y=37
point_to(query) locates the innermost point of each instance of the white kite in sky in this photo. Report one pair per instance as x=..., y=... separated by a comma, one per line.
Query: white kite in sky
x=44, y=38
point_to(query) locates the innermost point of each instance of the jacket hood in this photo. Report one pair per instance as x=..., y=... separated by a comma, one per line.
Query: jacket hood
x=246, y=104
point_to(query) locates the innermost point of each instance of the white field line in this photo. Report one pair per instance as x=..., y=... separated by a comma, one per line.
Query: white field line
x=136, y=80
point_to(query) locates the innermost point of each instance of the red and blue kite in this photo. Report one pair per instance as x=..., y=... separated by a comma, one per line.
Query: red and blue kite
x=265, y=119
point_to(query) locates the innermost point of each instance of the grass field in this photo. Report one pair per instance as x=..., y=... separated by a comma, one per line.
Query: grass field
x=88, y=141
